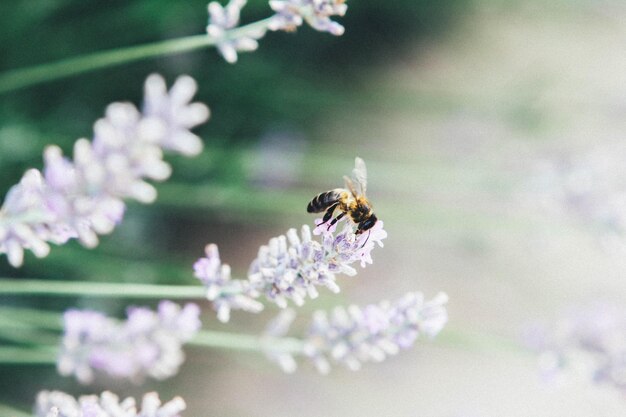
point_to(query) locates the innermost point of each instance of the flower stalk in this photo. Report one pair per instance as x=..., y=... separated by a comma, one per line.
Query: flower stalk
x=245, y=342
x=6, y=410
x=12, y=355
x=38, y=74
x=204, y=338
x=47, y=288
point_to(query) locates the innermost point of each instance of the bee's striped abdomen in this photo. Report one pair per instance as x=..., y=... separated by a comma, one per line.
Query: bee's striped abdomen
x=324, y=200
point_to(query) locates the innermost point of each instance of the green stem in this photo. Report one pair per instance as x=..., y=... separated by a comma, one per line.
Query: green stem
x=236, y=341
x=205, y=338
x=30, y=318
x=26, y=77
x=482, y=342
x=27, y=336
x=97, y=289
x=10, y=355
x=6, y=410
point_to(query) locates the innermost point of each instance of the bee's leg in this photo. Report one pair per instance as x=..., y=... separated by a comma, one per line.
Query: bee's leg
x=329, y=213
x=368, y=238
x=335, y=220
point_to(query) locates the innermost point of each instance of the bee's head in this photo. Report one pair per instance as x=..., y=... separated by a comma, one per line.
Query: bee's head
x=366, y=224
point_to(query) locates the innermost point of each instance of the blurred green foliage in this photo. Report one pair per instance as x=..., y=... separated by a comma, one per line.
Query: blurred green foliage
x=295, y=80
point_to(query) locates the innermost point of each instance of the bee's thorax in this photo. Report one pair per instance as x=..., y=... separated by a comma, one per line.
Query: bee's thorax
x=360, y=210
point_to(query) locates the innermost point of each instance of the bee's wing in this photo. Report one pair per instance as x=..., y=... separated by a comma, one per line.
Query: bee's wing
x=350, y=186
x=359, y=174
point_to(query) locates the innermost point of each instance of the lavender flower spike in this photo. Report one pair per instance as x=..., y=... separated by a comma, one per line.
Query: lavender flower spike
x=148, y=343
x=590, y=342
x=107, y=404
x=355, y=335
x=83, y=198
x=289, y=267
x=225, y=293
x=222, y=19
x=317, y=13
x=278, y=328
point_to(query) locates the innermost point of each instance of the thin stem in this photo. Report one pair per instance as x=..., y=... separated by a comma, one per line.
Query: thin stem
x=205, y=338
x=10, y=355
x=237, y=341
x=482, y=342
x=6, y=410
x=14, y=318
x=28, y=336
x=97, y=289
x=26, y=77
x=30, y=318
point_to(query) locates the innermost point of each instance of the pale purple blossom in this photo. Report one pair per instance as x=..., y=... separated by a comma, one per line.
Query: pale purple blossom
x=588, y=342
x=222, y=19
x=354, y=335
x=83, y=198
x=590, y=188
x=107, y=404
x=278, y=328
x=317, y=13
x=224, y=292
x=148, y=343
x=290, y=267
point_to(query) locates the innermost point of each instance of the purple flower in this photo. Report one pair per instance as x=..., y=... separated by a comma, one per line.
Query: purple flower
x=317, y=13
x=222, y=19
x=224, y=292
x=278, y=328
x=353, y=335
x=148, y=343
x=83, y=198
x=590, y=341
x=289, y=267
x=107, y=404
x=589, y=187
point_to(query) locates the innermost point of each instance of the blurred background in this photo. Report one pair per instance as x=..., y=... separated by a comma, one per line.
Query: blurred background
x=477, y=120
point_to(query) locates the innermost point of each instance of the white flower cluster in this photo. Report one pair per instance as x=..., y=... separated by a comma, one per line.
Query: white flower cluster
x=317, y=13
x=60, y=404
x=83, y=197
x=148, y=343
x=290, y=14
x=588, y=342
x=221, y=19
x=290, y=267
x=278, y=328
x=590, y=188
x=353, y=335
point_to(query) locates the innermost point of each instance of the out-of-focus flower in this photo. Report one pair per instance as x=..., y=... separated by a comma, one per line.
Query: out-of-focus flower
x=317, y=13
x=278, y=159
x=591, y=188
x=224, y=292
x=278, y=328
x=148, y=343
x=221, y=19
x=589, y=341
x=290, y=267
x=353, y=335
x=84, y=197
x=107, y=404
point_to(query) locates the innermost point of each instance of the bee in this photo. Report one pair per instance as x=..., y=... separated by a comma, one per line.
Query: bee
x=349, y=201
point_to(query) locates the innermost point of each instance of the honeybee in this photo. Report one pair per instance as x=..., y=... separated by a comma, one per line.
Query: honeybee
x=349, y=201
